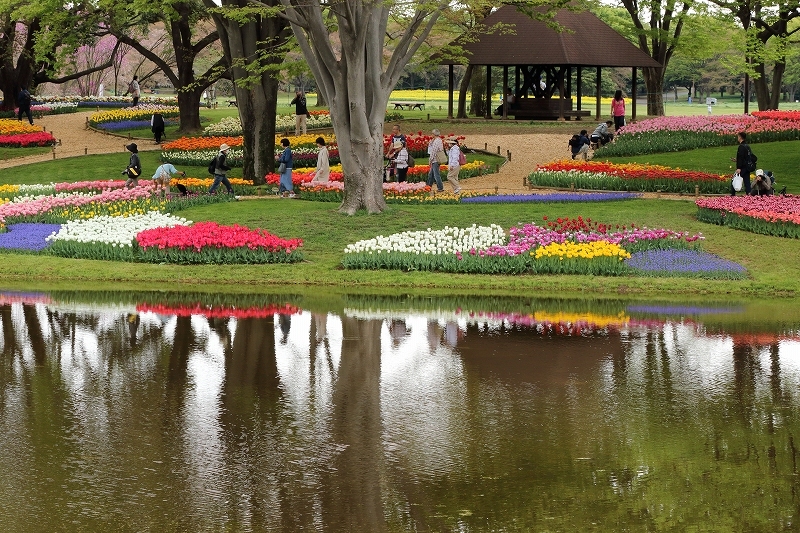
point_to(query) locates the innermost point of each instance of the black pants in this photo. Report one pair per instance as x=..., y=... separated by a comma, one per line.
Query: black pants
x=401, y=174
x=135, y=100
x=158, y=133
x=27, y=112
x=746, y=187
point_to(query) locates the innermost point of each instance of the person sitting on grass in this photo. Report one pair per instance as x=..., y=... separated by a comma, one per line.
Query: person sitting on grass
x=601, y=134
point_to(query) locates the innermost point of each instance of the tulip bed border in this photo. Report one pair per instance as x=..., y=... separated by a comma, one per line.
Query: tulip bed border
x=778, y=216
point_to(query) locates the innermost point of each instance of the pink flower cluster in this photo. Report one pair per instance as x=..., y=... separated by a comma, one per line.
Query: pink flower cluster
x=718, y=124
x=212, y=235
x=98, y=185
x=528, y=237
x=770, y=208
x=47, y=203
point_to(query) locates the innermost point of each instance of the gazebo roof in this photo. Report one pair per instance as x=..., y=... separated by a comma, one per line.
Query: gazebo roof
x=585, y=41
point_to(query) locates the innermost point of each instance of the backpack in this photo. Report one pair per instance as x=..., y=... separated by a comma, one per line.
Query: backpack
x=131, y=88
x=411, y=162
x=212, y=166
x=751, y=160
x=462, y=159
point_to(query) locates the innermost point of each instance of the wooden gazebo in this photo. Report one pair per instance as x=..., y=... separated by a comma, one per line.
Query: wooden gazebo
x=543, y=58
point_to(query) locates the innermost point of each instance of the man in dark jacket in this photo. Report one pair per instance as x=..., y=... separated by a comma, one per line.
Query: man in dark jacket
x=742, y=162
x=24, y=104
x=300, y=112
x=221, y=170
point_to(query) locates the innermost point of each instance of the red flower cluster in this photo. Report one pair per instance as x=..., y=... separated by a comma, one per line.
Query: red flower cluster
x=631, y=171
x=417, y=142
x=25, y=140
x=789, y=116
x=569, y=225
x=218, y=311
x=212, y=235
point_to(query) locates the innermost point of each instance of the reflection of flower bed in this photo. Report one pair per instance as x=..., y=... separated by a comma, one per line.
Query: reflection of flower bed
x=565, y=246
x=563, y=323
x=29, y=298
x=626, y=177
x=552, y=197
x=210, y=311
x=768, y=215
x=682, y=310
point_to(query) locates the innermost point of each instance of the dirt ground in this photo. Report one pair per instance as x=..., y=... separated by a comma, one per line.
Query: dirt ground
x=527, y=149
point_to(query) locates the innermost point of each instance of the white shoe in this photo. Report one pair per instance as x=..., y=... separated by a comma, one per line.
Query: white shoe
x=457, y=191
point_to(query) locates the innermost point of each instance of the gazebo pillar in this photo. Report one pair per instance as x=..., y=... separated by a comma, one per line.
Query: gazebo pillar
x=633, y=95
x=561, y=96
x=505, y=90
x=450, y=80
x=488, y=113
x=578, y=91
x=597, y=95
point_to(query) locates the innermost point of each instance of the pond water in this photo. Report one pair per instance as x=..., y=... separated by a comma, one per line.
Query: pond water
x=159, y=412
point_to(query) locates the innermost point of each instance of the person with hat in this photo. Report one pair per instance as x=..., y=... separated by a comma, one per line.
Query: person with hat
x=221, y=170
x=435, y=151
x=134, y=168
x=454, y=158
x=763, y=184
x=392, y=152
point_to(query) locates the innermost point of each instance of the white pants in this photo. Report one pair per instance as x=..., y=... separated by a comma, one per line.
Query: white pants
x=299, y=124
x=452, y=177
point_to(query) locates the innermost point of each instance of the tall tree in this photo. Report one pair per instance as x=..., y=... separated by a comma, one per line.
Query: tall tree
x=357, y=78
x=183, y=21
x=253, y=40
x=768, y=32
x=657, y=25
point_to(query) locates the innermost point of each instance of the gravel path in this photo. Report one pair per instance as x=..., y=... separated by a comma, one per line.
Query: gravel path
x=527, y=150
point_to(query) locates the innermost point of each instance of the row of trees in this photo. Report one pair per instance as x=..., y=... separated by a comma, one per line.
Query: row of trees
x=356, y=51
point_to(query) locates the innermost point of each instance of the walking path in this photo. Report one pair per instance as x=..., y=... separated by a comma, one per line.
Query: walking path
x=527, y=150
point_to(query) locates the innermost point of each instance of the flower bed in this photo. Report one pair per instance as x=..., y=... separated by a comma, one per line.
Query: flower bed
x=26, y=140
x=563, y=246
x=131, y=124
x=767, y=215
x=17, y=127
x=27, y=236
x=685, y=263
x=626, y=177
x=232, y=126
x=107, y=101
x=673, y=134
x=209, y=242
x=241, y=187
x=417, y=143
x=393, y=193
x=558, y=197
x=140, y=112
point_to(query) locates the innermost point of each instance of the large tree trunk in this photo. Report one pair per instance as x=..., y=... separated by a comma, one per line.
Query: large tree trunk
x=462, y=92
x=257, y=111
x=654, y=82
x=362, y=161
x=768, y=90
x=477, y=105
x=12, y=77
x=189, y=109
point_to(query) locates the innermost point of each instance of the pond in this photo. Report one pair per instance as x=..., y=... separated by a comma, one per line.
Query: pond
x=340, y=412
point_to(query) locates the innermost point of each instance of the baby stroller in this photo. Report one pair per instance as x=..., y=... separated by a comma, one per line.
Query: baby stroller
x=771, y=177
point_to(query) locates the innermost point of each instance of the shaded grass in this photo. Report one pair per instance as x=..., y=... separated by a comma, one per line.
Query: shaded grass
x=771, y=261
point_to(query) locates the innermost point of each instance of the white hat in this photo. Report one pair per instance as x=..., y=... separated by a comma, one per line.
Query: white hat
x=452, y=140
x=223, y=147
x=759, y=172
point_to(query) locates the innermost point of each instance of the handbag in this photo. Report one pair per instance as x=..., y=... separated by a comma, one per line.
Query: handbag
x=282, y=168
x=441, y=157
x=737, y=182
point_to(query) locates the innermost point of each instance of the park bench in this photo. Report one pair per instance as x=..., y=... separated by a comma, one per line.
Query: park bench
x=232, y=103
x=545, y=109
x=409, y=105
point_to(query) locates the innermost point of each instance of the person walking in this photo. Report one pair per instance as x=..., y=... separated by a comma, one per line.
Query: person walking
x=134, y=168
x=300, y=112
x=618, y=110
x=133, y=90
x=435, y=152
x=454, y=158
x=323, y=171
x=221, y=170
x=400, y=161
x=743, y=162
x=157, y=126
x=286, y=188
x=24, y=104
x=163, y=176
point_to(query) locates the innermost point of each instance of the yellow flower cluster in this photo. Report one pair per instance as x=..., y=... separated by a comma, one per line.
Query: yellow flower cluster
x=130, y=113
x=309, y=138
x=16, y=127
x=206, y=182
x=9, y=188
x=473, y=165
x=115, y=209
x=581, y=250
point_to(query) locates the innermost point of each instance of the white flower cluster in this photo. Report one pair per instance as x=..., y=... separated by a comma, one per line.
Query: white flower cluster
x=227, y=127
x=38, y=188
x=116, y=231
x=433, y=242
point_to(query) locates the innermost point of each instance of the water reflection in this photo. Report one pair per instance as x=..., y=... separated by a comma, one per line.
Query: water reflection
x=259, y=413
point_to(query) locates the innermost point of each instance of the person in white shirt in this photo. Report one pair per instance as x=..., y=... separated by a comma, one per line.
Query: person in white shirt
x=323, y=170
x=435, y=147
x=453, y=163
x=400, y=161
x=163, y=175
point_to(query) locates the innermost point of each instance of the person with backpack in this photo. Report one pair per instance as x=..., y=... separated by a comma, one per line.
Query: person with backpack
x=455, y=158
x=134, y=169
x=745, y=162
x=221, y=170
x=24, y=104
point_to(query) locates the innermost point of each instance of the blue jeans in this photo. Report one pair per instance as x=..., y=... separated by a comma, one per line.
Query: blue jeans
x=435, y=175
x=219, y=178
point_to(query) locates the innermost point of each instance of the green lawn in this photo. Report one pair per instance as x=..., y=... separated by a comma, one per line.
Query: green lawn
x=12, y=153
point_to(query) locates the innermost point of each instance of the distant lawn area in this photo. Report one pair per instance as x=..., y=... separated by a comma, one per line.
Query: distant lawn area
x=12, y=153
x=779, y=157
